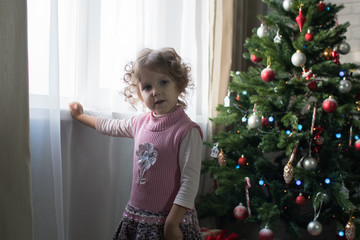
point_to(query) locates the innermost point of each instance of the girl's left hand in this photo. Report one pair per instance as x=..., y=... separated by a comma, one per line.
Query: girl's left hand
x=172, y=232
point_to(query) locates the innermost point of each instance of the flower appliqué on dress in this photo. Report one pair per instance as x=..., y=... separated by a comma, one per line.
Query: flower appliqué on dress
x=147, y=157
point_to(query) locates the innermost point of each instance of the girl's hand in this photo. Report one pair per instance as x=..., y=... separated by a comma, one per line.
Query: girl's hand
x=76, y=109
x=172, y=231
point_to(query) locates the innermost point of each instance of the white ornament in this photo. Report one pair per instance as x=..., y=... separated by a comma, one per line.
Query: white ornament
x=345, y=86
x=314, y=228
x=215, y=151
x=262, y=31
x=309, y=163
x=254, y=121
x=287, y=5
x=298, y=58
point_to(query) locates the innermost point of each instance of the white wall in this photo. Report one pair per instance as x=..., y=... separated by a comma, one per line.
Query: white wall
x=351, y=14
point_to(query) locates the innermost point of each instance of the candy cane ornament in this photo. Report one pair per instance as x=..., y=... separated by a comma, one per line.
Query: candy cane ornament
x=248, y=185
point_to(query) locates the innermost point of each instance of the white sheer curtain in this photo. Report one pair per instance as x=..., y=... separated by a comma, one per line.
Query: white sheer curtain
x=77, y=51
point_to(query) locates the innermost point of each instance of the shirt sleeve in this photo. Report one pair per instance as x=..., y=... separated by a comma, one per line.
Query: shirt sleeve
x=190, y=166
x=115, y=127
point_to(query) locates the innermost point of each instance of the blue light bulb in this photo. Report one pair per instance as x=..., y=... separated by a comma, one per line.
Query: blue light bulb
x=327, y=180
x=261, y=182
x=288, y=132
x=244, y=119
x=300, y=127
x=237, y=167
x=341, y=233
x=244, y=92
x=356, y=137
x=342, y=73
x=298, y=182
x=271, y=119
x=338, y=135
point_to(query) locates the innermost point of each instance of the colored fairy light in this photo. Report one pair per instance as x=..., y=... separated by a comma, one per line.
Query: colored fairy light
x=244, y=92
x=298, y=182
x=327, y=180
x=237, y=167
x=341, y=233
x=238, y=73
x=244, y=119
x=342, y=73
x=356, y=137
x=328, y=8
x=338, y=135
x=288, y=132
x=261, y=182
x=271, y=119
x=300, y=127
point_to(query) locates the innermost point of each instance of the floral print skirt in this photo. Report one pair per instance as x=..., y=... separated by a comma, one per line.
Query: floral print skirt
x=138, y=224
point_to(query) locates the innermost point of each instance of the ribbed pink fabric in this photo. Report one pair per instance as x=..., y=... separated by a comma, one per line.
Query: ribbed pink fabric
x=155, y=188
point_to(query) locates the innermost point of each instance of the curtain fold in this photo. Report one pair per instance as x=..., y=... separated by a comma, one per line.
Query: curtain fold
x=15, y=184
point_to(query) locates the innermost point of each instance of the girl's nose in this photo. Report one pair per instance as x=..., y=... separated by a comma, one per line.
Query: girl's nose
x=156, y=91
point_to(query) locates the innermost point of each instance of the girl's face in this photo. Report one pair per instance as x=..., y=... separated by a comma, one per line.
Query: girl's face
x=158, y=91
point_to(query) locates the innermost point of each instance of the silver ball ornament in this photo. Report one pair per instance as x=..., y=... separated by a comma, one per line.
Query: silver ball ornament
x=343, y=48
x=254, y=121
x=344, y=86
x=262, y=31
x=298, y=58
x=314, y=228
x=287, y=5
x=309, y=163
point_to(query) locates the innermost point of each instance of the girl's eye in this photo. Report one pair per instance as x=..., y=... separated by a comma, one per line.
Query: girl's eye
x=164, y=82
x=147, y=87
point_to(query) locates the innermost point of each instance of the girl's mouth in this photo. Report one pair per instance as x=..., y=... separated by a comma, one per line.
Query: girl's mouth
x=159, y=102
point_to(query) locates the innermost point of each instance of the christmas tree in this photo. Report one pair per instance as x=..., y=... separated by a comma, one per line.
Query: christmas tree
x=291, y=128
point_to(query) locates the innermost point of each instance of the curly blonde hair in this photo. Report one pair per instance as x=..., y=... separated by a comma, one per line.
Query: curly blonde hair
x=164, y=60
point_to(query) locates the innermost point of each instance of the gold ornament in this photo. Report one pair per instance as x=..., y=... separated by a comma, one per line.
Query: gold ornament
x=358, y=105
x=327, y=53
x=221, y=158
x=288, y=172
x=350, y=230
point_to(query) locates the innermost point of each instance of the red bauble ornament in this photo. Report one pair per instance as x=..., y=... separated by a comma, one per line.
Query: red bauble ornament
x=242, y=161
x=330, y=105
x=266, y=234
x=300, y=19
x=312, y=85
x=300, y=200
x=321, y=6
x=255, y=59
x=335, y=55
x=264, y=122
x=357, y=145
x=309, y=36
x=240, y=212
x=267, y=74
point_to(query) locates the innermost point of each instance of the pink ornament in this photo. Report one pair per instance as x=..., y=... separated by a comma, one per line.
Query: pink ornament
x=267, y=74
x=300, y=19
x=255, y=59
x=309, y=36
x=266, y=234
x=357, y=145
x=330, y=105
x=240, y=212
x=300, y=200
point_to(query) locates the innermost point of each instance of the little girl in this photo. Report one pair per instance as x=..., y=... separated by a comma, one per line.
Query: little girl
x=167, y=149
